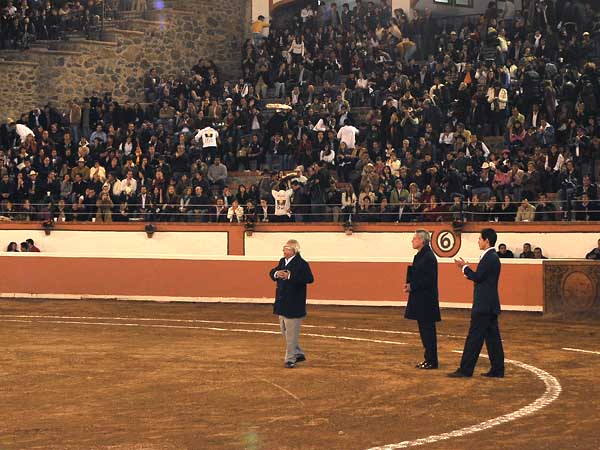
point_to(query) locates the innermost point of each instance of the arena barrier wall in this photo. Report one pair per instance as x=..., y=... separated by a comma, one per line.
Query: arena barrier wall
x=229, y=263
x=369, y=281
x=557, y=240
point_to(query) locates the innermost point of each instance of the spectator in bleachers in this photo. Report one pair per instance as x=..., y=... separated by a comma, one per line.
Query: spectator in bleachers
x=235, y=213
x=585, y=210
x=594, y=254
x=544, y=210
x=527, y=253
x=503, y=252
x=537, y=253
x=104, y=206
x=32, y=247
x=525, y=212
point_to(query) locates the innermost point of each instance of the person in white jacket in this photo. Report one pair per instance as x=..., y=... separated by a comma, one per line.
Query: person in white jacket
x=98, y=169
x=235, y=213
x=497, y=97
x=296, y=50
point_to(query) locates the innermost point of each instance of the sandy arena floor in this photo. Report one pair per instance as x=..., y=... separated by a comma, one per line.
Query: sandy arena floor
x=125, y=375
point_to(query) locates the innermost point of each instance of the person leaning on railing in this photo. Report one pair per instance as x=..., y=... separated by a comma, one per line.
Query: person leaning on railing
x=544, y=210
x=104, y=207
x=235, y=213
x=525, y=212
x=586, y=210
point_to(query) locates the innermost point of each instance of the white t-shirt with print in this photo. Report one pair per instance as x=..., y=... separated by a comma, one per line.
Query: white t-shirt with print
x=282, y=202
x=209, y=137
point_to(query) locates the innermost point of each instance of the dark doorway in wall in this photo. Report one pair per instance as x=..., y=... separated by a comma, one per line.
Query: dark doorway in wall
x=287, y=15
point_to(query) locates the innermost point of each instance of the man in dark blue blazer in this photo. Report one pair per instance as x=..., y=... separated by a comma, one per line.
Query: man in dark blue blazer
x=423, y=304
x=292, y=274
x=485, y=311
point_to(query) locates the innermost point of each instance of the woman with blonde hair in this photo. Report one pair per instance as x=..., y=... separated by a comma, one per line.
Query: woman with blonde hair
x=414, y=195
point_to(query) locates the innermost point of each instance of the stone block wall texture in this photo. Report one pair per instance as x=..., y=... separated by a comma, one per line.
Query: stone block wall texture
x=19, y=87
x=171, y=40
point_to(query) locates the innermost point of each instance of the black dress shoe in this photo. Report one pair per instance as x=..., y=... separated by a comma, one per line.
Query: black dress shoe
x=459, y=374
x=300, y=358
x=426, y=366
x=491, y=374
x=289, y=365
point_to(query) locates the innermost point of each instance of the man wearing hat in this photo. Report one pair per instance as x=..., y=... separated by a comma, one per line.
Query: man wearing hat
x=81, y=169
x=34, y=187
x=300, y=178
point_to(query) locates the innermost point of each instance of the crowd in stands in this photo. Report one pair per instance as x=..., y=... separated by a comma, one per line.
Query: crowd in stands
x=359, y=114
x=537, y=253
x=527, y=253
x=23, y=22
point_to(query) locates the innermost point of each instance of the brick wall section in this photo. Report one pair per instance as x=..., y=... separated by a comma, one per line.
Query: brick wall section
x=170, y=40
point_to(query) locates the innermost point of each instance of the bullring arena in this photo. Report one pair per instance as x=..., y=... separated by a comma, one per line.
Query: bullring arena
x=156, y=155
x=88, y=363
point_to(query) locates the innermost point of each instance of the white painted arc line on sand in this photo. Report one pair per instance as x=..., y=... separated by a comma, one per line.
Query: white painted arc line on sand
x=157, y=319
x=552, y=392
x=569, y=349
x=271, y=324
x=184, y=327
x=396, y=332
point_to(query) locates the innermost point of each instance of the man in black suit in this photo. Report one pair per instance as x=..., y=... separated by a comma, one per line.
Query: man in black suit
x=485, y=311
x=403, y=211
x=423, y=305
x=292, y=274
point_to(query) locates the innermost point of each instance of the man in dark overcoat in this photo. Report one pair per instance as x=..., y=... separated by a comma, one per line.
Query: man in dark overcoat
x=292, y=274
x=423, y=303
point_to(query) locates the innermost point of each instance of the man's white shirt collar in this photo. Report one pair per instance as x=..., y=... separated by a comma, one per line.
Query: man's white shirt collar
x=287, y=261
x=480, y=258
x=484, y=252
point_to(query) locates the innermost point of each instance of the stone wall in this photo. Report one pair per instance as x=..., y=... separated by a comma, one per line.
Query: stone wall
x=173, y=39
x=18, y=89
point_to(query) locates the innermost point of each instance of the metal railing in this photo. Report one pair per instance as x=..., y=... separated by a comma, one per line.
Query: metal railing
x=562, y=210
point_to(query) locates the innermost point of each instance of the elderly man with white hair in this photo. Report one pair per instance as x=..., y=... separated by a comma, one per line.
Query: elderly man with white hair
x=292, y=274
x=423, y=303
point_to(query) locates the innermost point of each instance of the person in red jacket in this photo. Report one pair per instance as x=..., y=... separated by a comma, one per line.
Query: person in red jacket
x=32, y=247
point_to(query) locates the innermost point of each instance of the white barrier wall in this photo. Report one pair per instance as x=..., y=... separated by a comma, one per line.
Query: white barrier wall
x=121, y=243
x=553, y=245
x=328, y=245
x=372, y=245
